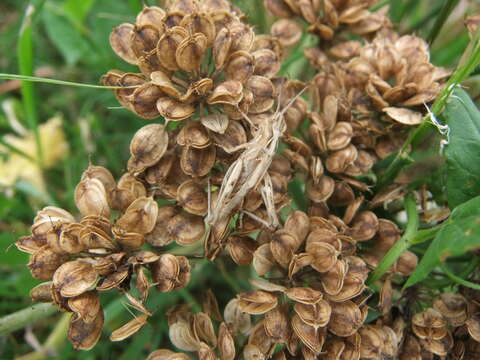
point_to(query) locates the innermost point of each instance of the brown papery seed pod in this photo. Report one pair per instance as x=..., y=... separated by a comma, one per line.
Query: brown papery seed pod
x=85, y=335
x=226, y=343
x=74, y=278
x=238, y=321
x=257, y=302
x=86, y=306
x=148, y=145
x=42, y=292
x=311, y=337
x=203, y=327
x=192, y=197
x=91, y=198
x=429, y=324
x=140, y=217
x=346, y=319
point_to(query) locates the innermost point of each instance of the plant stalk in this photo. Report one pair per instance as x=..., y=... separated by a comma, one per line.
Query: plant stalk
x=22, y=318
x=403, y=244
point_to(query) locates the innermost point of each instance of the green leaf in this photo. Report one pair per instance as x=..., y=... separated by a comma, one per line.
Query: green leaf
x=396, y=10
x=461, y=233
x=78, y=10
x=463, y=151
x=69, y=42
x=447, y=9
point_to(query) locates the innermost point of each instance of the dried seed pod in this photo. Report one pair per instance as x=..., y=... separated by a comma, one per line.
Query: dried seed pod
x=159, y=236
x=203, y=327
x=85, y=335
x=316, y=315
x=320, y=191
x=144, y=39
x=185, y=228
x=143, y=101
x=120, y=41
x=91, y=198
x=340, y=136
x=371, y=343
x=324, y=256
x=339, y=160
x=429, y=324
x=173, y=110
x=283, y=246
x=304, y=295
x=252, y=352
x=182, y=336
x=113, y=280
x=165, y=271
x=232, y=138
x=128, y=189
x=86, y=306
x=221, y=47
x=42, y=292
x=346, y=319
x=311, y=337
x=217, y=123
x=164, y=354
x=74, y=278
x=167, y=47
x=192, y=197
x=298, y=223
x=200, y=23
x=257, y=302
x=140, y=217
x=263, y=259
x=197, y=162
x=190, y=51
x=148, y=145
x=229, y=92
x=30, y=244
x=473, y=327
x=240, y=66
x=239, y=321
x=365, y=226
x=287, y=31
x=438, y=347
x=277, y=324
x=241, y=249
x=332, y=280
x=44, y=262
x=226, y=343
x=263, y=93
x=404, y=116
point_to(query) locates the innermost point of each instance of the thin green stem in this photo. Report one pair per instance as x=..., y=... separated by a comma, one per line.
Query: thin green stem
x=458, y=279
x=58, y=82
x=53, y=343
x=403, y=244
x=425, y=235
x=22, y=318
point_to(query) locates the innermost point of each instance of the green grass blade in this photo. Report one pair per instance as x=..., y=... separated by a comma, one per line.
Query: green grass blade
x=25, y=57
x=379, y=5
x=397, y=10
x=448, y=7
x=26, y=78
